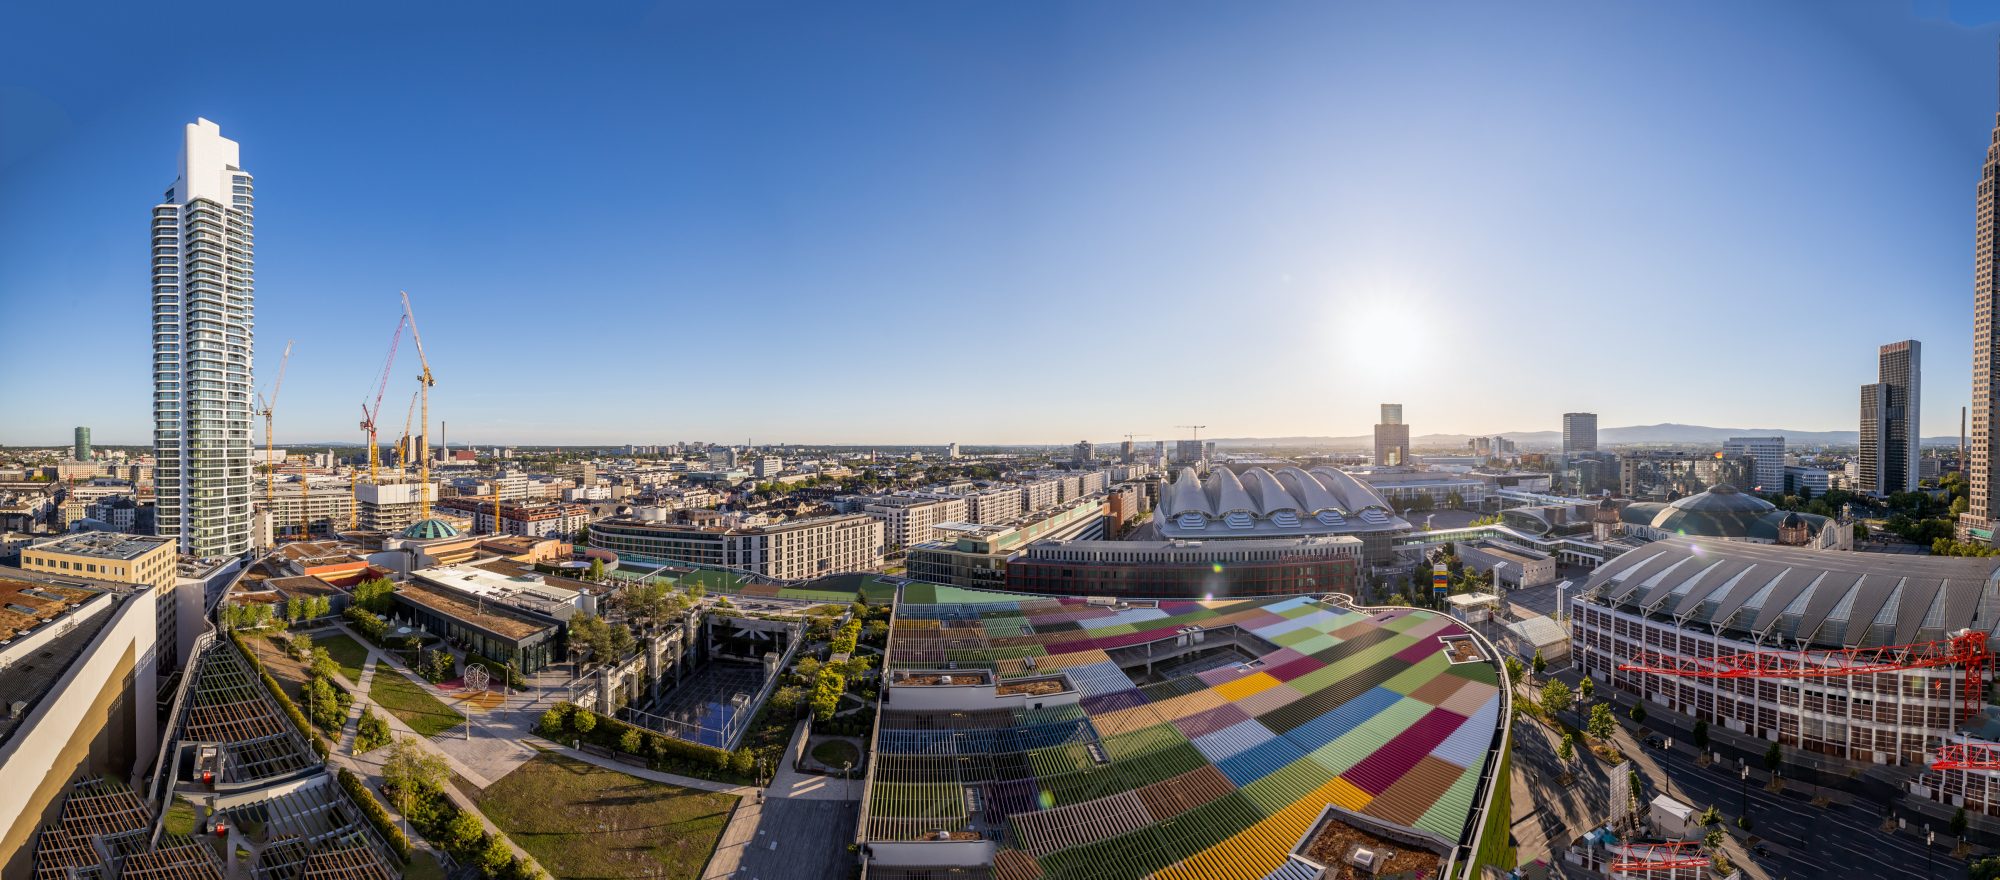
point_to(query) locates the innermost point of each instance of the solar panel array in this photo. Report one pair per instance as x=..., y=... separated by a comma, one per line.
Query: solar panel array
x=1212, y=775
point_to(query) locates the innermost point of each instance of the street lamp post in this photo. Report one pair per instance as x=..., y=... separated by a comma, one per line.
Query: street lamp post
x=1930, y=838
x=1666, y=763
x=1743, y=789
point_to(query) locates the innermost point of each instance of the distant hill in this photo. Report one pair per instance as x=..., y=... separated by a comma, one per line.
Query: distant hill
x=1664, y=433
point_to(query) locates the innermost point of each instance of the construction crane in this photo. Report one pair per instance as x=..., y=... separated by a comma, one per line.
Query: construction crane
x=265, y=407
x=1195, y=428
x=368, y=413
x=1639, y=857
x=407, y=444
x=424, y=383
x=1966, y=650
x=1968, y=756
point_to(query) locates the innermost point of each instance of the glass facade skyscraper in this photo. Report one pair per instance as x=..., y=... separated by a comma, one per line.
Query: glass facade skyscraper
x=203, y=321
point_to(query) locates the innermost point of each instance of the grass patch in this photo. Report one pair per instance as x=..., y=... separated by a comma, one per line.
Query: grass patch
x=835, y=752
x=423, y=866
x=347, y=652
x=1496, y=845
x=180, y=817
x=405, y=700
x=581, y=820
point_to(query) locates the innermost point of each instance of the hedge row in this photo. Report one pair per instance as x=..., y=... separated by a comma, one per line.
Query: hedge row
x=661, y=752
x=319, y=743
x=377, y=814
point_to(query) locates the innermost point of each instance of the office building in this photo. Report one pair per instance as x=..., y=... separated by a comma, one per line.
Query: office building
x=138, y=560
x=203, y=342
x=792, y=550
x=1125, y=452
x=82, y=451
x=81, y=667
x=1890, y=421
x=1807, y=481
x=1579, y=433
x=1392, y=438
x=1767, y=461
x=951, y=451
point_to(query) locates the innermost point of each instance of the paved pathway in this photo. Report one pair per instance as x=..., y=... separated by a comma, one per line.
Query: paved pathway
x=369, y=766
x=797, y=829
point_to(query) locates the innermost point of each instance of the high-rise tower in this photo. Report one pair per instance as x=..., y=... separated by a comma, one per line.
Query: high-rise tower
x=1392, y=437
x=203, y=315
x=1890, y=416
x=1976, y=523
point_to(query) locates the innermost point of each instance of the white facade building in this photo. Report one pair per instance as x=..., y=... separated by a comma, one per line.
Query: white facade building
x=1039, y=494
x=994, y=506
x=203, y=342
x=1767, y=455
x=909, y=520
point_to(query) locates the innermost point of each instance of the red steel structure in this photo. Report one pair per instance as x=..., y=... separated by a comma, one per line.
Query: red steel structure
x=1660, y=857
x=1967, y=651
x=1968, y=756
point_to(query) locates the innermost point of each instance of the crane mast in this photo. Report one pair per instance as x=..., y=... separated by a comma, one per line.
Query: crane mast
x=424, y=383
x=266, y=406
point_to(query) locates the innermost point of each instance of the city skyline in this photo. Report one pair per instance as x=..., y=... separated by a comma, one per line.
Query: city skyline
x=820, y=205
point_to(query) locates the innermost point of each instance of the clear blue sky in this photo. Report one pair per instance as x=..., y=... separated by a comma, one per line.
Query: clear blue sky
x=1013, y=222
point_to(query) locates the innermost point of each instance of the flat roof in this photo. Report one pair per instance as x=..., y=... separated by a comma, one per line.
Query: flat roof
x=476, y=580
x=104, y=545
x=492, y=618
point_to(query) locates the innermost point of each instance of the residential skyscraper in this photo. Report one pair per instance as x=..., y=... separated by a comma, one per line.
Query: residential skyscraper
x=203, y=341
x=1890, y=421
x=1767, y=472
x=1392, y=438
x=82, y=451
x=1579, y=433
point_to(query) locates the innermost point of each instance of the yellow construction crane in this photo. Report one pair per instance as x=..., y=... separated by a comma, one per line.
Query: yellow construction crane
x=424, y=383
x=408, y=444
x=265, y=406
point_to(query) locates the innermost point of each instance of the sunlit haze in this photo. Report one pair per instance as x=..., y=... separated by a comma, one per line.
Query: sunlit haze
x=919, y=223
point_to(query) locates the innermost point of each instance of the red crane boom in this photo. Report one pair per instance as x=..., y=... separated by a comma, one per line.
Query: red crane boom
x=1967, y=650
x=1660, y=857
x=1968, y=756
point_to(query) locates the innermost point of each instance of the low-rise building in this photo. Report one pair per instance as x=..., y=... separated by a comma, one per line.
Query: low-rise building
x=1188, y=569
x=1508, y=563
x=790, y=550
x=976, y=555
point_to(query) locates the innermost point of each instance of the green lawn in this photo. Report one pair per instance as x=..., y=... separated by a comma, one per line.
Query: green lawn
x=180, y=817
x=581, y=820
x=347, y=652
x=405, y=700
x=1496, y=845
x=835, y=752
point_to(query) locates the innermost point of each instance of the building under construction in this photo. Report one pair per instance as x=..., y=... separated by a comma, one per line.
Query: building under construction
x=1873, y=658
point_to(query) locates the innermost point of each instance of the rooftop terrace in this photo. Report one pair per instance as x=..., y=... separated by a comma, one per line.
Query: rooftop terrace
x=104, y=545
x=1213, y=775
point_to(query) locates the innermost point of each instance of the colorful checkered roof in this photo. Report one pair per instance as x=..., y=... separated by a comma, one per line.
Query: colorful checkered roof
x=1214, y=774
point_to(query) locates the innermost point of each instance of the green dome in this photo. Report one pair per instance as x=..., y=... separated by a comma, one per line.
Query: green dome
x=430, y=530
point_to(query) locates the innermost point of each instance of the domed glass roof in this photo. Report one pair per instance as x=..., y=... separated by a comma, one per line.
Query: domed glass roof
x=430, y=530
x=1724, y=498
